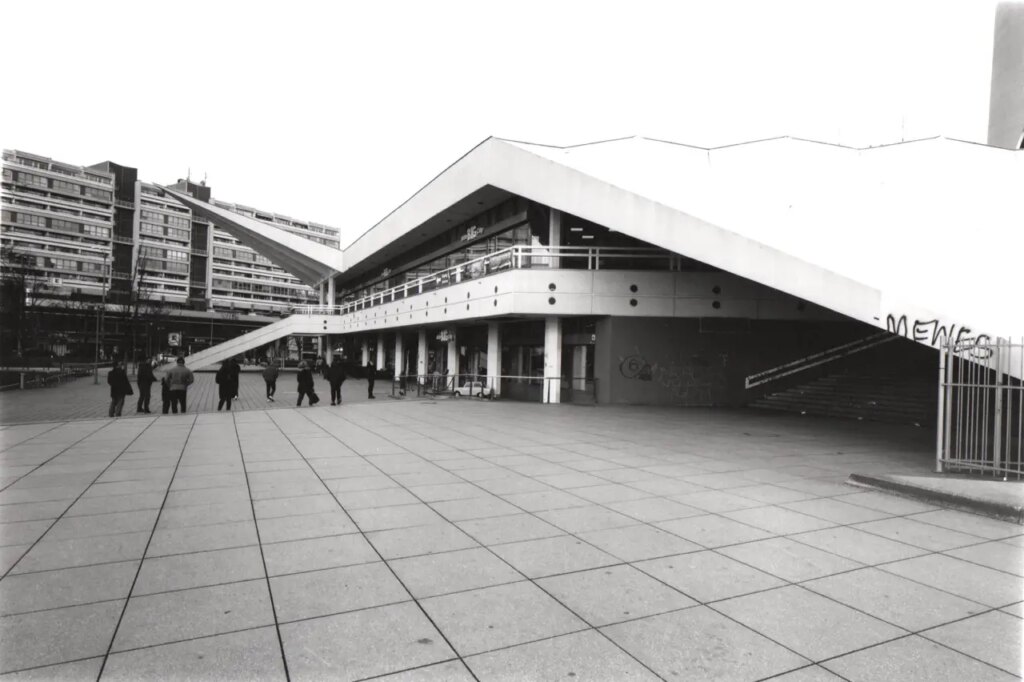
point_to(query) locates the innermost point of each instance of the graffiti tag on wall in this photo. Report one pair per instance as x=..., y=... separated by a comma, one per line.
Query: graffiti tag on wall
x=691, y=383
x=933, y=332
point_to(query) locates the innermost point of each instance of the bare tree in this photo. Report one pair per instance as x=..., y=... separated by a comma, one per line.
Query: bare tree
x=20, y=291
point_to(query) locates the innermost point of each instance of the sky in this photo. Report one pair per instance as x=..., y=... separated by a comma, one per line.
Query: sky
x=339, y=111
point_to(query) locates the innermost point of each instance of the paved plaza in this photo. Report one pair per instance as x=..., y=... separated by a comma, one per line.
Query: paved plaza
x=460, y=540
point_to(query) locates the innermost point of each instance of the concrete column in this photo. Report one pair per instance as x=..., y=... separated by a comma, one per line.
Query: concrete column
x=328, y=349
x=381, y=355
x=323, y=293
x=494, y=357
x=421, y=354
x=453, y=353
x=555, y=235
x=579, y=368
x=330, y=291
x=399, y=359
x=552, y=392
x=365, y=358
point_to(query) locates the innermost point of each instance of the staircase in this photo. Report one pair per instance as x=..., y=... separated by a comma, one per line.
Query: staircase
x=240, y=344
x=903, y=400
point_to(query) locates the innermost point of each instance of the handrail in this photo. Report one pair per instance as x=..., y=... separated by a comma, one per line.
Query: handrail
x=824, y=357
x=512, y=257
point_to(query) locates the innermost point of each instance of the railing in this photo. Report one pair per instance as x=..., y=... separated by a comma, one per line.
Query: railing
x=817, y=359
x=519, y=387
x=120, y=203
x=512, y=258
x=981, y=407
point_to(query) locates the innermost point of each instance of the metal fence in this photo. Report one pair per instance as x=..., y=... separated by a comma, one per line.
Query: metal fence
x=580, y=390
x=981, y=407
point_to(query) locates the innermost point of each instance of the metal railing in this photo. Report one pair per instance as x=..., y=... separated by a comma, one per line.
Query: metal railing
x=981, y=407
x=818, y=359
x=511, y=258
x=517, y=387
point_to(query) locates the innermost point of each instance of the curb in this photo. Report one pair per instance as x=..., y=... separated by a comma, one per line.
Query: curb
x=996, y=510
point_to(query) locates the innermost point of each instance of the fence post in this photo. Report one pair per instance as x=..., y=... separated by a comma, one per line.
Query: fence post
x=997, y=432
x=21, y=381
x=940, y=422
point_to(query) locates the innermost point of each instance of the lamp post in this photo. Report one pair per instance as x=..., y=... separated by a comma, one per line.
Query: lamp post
x=100, y=318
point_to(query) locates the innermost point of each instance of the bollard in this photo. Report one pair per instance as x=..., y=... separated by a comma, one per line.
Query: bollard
x=21, y=380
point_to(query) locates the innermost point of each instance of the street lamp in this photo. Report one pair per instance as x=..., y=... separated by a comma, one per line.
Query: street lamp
x=100, y=318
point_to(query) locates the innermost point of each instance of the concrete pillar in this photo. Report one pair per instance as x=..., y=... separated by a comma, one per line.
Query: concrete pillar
x=494, y=357
x=328, y=349
x=381, y=355
x=365, y=358
x=552, y=391
x=453, y=353
x=421, y=354
x=330, y=291
x=579, y=368
x=555, y=235
x=399, y=355
x=323, y=293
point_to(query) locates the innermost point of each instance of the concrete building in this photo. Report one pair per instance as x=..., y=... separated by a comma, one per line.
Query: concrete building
x=63, y=216
x=667, y=273
x=99, y=233
x=1006, y=106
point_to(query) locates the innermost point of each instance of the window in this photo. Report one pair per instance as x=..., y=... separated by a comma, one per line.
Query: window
x=97, y=193
x=30, y=179
x=176, y=221
x=65, y=225
x=66, y=187
x=29, y=219
x=96, y=231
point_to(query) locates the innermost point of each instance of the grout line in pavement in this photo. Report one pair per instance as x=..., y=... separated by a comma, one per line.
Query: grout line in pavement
x=374, y=547
x=138, y=571
x=53, y=457
x=263, y=558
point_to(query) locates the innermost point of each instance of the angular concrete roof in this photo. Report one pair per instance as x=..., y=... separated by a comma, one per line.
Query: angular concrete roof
x=309, y=261
x=923, y=236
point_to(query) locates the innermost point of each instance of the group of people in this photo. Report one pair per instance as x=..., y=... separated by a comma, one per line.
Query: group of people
x=174, y=385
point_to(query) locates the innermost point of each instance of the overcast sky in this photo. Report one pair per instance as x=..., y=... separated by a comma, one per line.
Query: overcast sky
x=337, y=112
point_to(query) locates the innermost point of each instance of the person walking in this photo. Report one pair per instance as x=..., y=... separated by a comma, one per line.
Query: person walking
x=236, y=373
x=117, y=378
x=227, y=384
x=179, y=378
x=336, y=375
x=146, y=379
x=305, y=386
x=371, y=376
x=270, y=379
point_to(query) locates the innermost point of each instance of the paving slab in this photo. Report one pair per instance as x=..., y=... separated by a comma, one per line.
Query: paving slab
x=608, y=513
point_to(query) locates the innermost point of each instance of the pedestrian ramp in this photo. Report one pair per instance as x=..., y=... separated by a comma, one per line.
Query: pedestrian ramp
x=289, y=326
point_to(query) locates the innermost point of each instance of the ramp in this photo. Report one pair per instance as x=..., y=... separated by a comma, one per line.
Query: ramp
x=294, y=324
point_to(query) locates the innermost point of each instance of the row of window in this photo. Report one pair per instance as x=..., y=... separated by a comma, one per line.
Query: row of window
x=34, y=180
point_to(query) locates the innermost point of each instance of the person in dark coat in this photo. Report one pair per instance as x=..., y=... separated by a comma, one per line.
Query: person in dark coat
x=371, y=376
x=306, y=385
x=145, y=379
x=165, y=395
x=270, y=379
x=227, y=384
x=120, y=387
x=236, y=373
x=336, y=375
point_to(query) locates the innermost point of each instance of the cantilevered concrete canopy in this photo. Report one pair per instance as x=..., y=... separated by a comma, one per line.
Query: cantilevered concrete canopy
x=924, y=238
x=307, y=260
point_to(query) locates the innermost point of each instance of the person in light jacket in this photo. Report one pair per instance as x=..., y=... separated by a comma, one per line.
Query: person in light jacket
x=179, y=378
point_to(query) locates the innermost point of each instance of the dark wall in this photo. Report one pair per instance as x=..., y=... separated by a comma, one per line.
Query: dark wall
x=658, y=361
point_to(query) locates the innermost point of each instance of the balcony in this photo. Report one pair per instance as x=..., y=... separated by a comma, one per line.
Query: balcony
x=514, y=258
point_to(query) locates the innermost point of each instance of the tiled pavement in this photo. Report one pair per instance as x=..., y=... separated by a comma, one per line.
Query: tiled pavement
x=463, y=540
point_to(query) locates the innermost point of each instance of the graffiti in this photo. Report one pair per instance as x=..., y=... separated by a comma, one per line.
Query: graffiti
x=933, y=332
x=691, y=383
